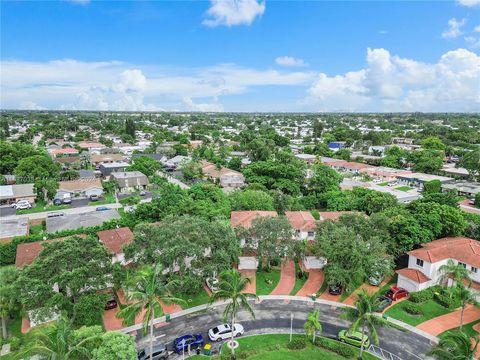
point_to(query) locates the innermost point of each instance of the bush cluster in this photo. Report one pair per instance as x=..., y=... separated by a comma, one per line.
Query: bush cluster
x=336, y=347
x=297, y=344
x=446, y=301
x=412, y=308
x=424, y=295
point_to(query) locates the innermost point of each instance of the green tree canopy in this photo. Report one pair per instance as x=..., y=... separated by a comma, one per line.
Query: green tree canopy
x=145, y=165
x=325, y=179
x=250, y=200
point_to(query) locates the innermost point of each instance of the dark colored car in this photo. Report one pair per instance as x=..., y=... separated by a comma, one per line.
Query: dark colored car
x=159, y=353
x=183, y=343
x=102, y=208
x=335, y=289
x=111, y=303
x=396, y=293
x=384, y=303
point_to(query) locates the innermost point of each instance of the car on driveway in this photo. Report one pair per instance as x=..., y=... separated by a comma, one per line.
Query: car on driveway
x=212, y=283
x=21, y=205
x=354, y=338
x=224, y=332
x=185, y=342
x=159, y=353
x=102, y=208
x=335, y=289
x=111, y=303
x=384, y=302
x=376, y=279
x=395, y=293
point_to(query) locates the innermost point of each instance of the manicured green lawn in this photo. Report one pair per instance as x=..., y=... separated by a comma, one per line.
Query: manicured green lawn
x=298, y=282
x=40, y=207
x=467, y=329
x=385, y=183
x=430, y=310
x=36, y=229
x=266, y=281
x=403, y=188
x=108, y=199
x=194, y=300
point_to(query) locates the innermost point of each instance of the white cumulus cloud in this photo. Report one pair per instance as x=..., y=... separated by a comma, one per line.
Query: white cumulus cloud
x=80, y=2
x=454, y=29
x=391, y=83
x=468, y=3
x=233, y=12
x=290, y=61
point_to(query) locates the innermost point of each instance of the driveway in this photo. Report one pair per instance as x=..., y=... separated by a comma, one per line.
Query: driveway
x=449, y=321
x=287, y=279
x=313, y=283
x=7, y=211
x=76, y=203
x=274, y=316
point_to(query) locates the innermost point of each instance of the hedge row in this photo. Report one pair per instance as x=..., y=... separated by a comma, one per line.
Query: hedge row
x=335, y=346
x=8, y=251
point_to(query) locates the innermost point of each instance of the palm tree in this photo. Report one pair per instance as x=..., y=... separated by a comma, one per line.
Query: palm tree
x=54, y=342
x=313, y=324
x=455, y=345
x=231, y=286
x=146, y=291
x=456, y=271
x=363, y=316
x=465, y=296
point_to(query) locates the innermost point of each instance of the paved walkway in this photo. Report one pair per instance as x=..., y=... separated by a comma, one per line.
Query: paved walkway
x=252, y=286
x=313, y=283
x=449, y=321
x=369, y=288
x=287, y=279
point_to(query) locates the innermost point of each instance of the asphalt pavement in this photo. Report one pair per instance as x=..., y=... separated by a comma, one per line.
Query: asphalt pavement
x=274, y=316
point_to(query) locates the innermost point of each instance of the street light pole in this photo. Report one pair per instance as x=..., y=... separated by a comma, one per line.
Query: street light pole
x=291, y=325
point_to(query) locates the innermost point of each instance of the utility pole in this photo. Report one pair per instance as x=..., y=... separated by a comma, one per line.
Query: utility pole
x=291, y=325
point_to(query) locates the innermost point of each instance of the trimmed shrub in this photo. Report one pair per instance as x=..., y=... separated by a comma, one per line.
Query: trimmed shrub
x=297, y=344
x=424, y=295
x=446, y=301
x=412, y=308
x=336, y=347
x=15, y=343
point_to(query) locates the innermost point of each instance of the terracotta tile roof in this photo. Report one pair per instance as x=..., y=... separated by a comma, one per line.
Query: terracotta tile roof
x=80, y=185
x=115, y=239
x=301, y=220
x=333, y=215
x=28, y=252
x=210, y=170
x=462, y=249
x=106, y=158
x=413, y=274
x=90, y=144
x=245, y=218
x=64, y=151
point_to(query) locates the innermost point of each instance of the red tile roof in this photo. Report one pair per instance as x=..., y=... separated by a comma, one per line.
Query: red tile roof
x=334, y=215
x=64, y=151
x=115, y=239
x=462, y=249
x=301, y=220
x=245, y=218
x=413, y=274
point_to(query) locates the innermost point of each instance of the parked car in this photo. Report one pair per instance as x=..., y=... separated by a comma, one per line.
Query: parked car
x=212, y=283
x=111, y=303
x=335, y=289
x=60, y=199
x=55, y=214
x=396, y=293
x=22, y=205
x=376, y=278
x=94, y=197
x=102, y=208
x=471, y=201
x=159, y=353
x=224, y=331
x=185, y=342
x=354, y=338
x=143, y=193
x=384, y=303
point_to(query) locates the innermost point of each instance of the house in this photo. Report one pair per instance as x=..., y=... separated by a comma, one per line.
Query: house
x=386, y=173
x=91, y=146
x=228, y=179
x=303, y=223
x=402, y=197
x=424, y=263
x=336, y=145
x=10, y=194
x=62, y=152
x=69, y=162
x=462, y=188
x=97, y=159
x=107, y=168
x=245, y=218
x=11, y=228
x=86, y=174
x=334, y=215
x=76, y=221
x=130, y=180
x=158, y=157
x=418, y=180
x=80, y=188
x=175, y=162
x=114, y=240
x=308, y=158
x=349, y=166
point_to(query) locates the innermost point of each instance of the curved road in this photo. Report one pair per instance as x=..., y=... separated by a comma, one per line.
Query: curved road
x=274, y=316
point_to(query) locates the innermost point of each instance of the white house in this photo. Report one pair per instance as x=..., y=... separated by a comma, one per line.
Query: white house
x=303, y=223
x=424, y=263
x=114, y=240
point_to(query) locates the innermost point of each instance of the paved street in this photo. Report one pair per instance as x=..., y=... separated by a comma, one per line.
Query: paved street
x=274, y=316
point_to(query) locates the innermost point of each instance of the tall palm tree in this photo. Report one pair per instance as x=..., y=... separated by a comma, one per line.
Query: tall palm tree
x=146, y=291
x=231, y=286
x=54, y=342
x=465, y=296
x=455, y=345
x=313, y=324
x=456, y=271
x=363, y=316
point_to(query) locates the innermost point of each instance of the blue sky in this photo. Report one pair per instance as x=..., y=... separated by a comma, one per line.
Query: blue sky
x=243, y=55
